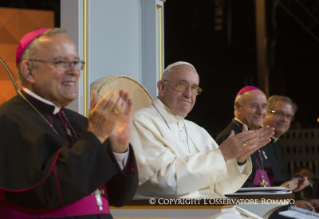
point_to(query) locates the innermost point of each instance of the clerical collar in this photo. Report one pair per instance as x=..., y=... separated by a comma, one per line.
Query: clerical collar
x=238, y=120
x=167, y=109
x=56, y=108
x=274, y=138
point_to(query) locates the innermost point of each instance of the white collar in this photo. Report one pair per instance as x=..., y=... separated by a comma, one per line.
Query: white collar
x=165, y=109
x=275, y=139
x=56, y=108
x=238, y=120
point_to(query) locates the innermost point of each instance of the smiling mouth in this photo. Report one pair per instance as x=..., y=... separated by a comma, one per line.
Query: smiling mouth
x=187, y=101
x=71, y=84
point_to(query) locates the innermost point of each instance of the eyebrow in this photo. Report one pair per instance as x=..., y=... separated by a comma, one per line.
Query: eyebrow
x=65, y=58
x=254, y=103
x=187, y=83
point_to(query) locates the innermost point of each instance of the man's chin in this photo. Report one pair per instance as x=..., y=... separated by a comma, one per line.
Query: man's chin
x=68, y=100
x=183, y=113
x=257, y=125
x=281, y=130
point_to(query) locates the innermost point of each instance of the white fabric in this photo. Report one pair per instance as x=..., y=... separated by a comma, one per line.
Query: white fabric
x=235, y=213
x=241, y=168
x=169, y=167
x=121, y=158
x=275, y=139
x=175, y=64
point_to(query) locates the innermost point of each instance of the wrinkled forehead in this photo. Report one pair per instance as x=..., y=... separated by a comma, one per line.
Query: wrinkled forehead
x=183, y=73
x=283, y=106
x=59, y=44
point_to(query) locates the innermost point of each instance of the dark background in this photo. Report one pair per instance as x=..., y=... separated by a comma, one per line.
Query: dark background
x=226, y=59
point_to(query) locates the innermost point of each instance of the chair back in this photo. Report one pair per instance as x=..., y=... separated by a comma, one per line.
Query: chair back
x=140, y=96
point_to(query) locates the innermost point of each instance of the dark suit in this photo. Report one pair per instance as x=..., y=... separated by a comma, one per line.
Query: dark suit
x=268, y=158
x=56, y=169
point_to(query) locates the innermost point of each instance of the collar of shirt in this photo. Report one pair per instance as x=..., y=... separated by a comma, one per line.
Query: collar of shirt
x=165, y=111
x=275, y=139
x=238, y=120
x=56, y=108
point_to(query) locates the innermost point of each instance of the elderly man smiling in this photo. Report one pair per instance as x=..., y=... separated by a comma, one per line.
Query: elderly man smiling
x=250, y=109
x=54, y=162
x=176, y=157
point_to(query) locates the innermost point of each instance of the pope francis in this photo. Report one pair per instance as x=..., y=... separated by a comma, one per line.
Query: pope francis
x=176, y=157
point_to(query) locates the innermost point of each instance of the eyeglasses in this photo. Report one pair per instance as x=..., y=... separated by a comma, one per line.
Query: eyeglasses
x=281, y=114
x=183, y=86
x=62, y=65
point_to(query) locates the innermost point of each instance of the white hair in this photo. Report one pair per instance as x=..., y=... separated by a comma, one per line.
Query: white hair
x=238, y=100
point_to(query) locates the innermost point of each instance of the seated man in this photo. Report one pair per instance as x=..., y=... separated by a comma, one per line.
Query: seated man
x=280, y=112
x=176, y=157
x=54, y=162
x=250, y=109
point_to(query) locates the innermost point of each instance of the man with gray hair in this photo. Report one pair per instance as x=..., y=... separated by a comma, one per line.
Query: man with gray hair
x=250, y=109
x=54, y=162
x=176, y=157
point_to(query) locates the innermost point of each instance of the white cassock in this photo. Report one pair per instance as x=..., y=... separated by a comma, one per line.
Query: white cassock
x=177, y=158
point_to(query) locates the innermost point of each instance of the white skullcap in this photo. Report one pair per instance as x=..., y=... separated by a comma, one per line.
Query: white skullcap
x=175, y=64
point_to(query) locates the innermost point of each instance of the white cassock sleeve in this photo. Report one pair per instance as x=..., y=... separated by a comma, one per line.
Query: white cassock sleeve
x=167, y=169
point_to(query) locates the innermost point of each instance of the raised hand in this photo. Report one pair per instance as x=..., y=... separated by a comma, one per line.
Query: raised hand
x=264, y=134
x=120, y=135
x=104, y=114
x=236, y=145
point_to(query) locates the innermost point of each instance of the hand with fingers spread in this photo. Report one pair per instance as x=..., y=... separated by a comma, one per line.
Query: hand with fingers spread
x=264, y=134
x=104, y=114
x=236, y=145
x=120, y=135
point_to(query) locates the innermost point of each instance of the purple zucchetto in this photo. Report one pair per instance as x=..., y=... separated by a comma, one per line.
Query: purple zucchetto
x=26, y=40
x=247, y=88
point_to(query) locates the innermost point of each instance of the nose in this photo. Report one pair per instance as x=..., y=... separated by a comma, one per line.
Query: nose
x=260, y=110
x=73, y=66
x=284, y=118
x=188, y=92
x=73, y=69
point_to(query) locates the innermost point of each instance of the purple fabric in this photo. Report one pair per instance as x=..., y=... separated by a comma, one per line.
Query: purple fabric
x=26, y=40
x=257, y=179
x=85, y=206
x=247, y=88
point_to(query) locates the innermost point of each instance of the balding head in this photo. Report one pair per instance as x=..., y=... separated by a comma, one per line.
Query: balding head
x=250, y=108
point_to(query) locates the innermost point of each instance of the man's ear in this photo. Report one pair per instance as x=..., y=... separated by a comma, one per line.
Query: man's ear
x=237, y=107
x=26, y=71
x=160, y=87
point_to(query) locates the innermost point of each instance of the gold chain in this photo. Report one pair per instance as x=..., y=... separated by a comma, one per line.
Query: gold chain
x=261, y=164
x=44, y=117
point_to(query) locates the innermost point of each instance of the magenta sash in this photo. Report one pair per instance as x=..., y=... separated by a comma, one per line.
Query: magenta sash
x=84, y=206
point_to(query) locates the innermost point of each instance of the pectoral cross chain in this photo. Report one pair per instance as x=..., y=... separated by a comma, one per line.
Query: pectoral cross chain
x=263, y=182
x=98, y=198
